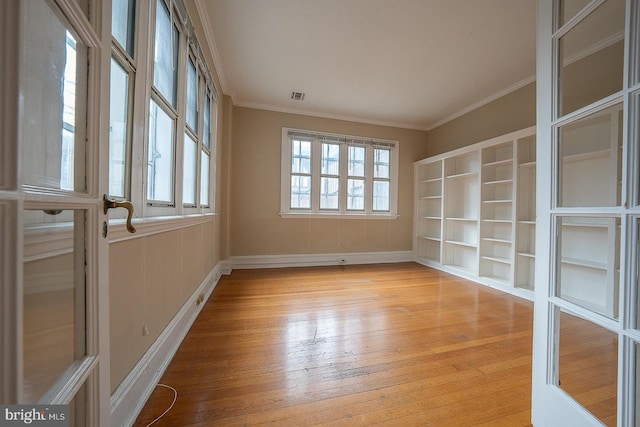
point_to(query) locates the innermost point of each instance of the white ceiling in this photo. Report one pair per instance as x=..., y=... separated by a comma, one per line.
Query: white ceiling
x=407, y=63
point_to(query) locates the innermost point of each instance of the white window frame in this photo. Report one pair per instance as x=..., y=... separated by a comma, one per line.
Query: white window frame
x=142, y=92
x=317, y=138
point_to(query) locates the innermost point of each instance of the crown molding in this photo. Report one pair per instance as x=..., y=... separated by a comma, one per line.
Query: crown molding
x=483, y=102
x=211, y=44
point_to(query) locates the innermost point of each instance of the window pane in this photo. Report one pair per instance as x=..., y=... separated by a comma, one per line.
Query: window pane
x=189, y=171
x=591, y=160
x=329, y=193
x=355, y=194
x=588, y=366
x=206, y=132
x=300, y=192
x=381, y=195
x=160, y=163
x=330, y=159
x=53, y=101
x=122, y=23
x=591, y=58
x=119, y=104
x=588, y=271
x=301, y=156
x=165, y=68
x=53, y=298
x=381, y=163
x=356, y=161
x=192, y=96
x=205, y=176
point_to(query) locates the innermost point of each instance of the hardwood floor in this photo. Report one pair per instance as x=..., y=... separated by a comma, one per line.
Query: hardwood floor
x=395, y=345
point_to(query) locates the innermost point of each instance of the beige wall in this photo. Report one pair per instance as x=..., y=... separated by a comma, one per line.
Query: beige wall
x=512, y=112
x=150, y=279
x=255, y=226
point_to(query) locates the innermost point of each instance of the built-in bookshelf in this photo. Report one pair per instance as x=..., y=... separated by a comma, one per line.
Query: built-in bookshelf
x=496, y=226
x=525, y=212
x=475, y=212
x=428, y=221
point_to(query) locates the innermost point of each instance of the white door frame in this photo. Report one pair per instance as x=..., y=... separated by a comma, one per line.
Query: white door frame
x=14, y=198
x=551, y=406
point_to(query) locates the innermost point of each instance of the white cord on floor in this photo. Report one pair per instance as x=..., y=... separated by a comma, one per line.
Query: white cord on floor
x=175, y=397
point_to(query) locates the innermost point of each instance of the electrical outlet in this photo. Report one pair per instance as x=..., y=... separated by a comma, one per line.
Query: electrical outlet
x=145, y=330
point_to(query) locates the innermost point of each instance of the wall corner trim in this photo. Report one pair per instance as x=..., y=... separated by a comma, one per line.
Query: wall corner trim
x=131, y=395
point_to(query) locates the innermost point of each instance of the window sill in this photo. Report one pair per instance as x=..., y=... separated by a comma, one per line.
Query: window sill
x=336, y=215
x=154, y=225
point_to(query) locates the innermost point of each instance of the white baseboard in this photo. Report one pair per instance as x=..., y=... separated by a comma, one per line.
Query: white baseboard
x=312, y=260
x=129, y=398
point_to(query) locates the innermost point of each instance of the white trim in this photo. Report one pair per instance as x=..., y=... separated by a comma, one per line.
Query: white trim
x=316, y=260
x=486, y=281
x=325, y=115
x=131, y=395
x=155, y=225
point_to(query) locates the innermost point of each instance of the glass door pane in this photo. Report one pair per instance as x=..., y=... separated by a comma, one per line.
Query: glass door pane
x=54, y=297
x=588, y=264
x=591, y=61
x=55, y=74
x=588, y=366
x=590, y=160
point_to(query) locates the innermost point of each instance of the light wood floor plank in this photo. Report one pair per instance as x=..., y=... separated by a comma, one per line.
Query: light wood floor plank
x=396, y=345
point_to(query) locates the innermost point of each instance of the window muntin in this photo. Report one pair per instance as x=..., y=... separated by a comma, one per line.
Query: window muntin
x=338, y=175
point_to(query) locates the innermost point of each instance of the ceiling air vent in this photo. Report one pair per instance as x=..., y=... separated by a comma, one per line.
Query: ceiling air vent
x=297, y=96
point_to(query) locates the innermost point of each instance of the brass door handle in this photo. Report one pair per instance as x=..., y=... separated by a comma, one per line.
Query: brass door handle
x=110, y=204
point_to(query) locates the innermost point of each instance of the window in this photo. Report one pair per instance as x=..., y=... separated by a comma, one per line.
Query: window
x=170, y=106
x=335, y=175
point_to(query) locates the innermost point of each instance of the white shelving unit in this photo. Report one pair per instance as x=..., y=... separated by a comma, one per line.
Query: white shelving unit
x=525, y=212
x=428, y=217
x=475, y=212
x=460, y=226
x=496, y=226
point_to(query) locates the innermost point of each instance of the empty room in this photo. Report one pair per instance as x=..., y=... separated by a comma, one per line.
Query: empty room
x=320, y=213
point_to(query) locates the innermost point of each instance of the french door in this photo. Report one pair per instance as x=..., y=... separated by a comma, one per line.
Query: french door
x=54, y=281
x=587, y=303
